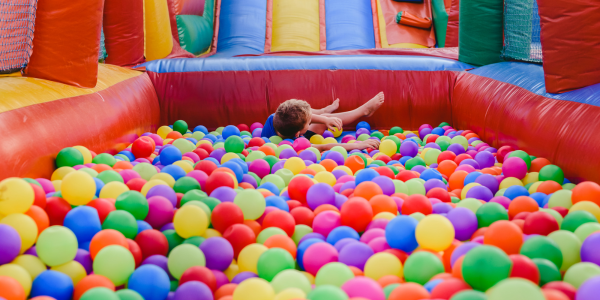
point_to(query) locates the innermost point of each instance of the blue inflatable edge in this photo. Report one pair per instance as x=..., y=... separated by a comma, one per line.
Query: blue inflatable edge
x=325, y=62
x=531, y=77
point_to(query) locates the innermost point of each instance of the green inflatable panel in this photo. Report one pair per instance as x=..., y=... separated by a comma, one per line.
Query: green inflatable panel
x=196, y=32
x=480, y=32
x=440, y=21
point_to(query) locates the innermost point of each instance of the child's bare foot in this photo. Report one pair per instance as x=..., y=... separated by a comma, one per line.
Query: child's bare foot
x=372, y=105
x=332, y=107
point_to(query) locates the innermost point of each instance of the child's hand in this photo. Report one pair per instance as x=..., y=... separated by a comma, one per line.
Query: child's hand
x=370, y=143
x=333, y=123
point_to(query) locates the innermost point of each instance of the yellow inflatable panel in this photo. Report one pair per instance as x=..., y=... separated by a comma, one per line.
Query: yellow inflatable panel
x=158, y=41
x=17, y=92
x=383, y=33
x=295, y=25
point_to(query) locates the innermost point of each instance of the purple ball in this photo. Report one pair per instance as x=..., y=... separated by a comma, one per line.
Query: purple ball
x=589, y=290
x=218, y=252
x=339, y=245
x=31, y=251
x=193, y=290
x=456, y=148
x=287, y=153
x=242, y=276
x=338, y=173
x=160, y=211
x=423, y=132
x=409, y=149
x=220, y=277
x=462, y=250
x=277, y=166
x=480, y=192
x=433, y=183
x=419, y=169
x=464, y=222
x=362, y=131
x=504, y=201
x=327, y=134
x=355, y=254
x=164, y=191
x=348, y=185
x=433, y=145
x=319, y=194
x=470, y=162
x=491, y=150
x=249, y=179
x=340, y=200
x=312, y=235
x=167, y=226
x=85, y=259
x=225, y=193
x=257, y=132
x=489, y=181
x=336, y=156
x=308, y=155
x=158, y=260
x=441, y=208
x=386, y=184
x=217, y=154
x=589, y=249
x=10, y=244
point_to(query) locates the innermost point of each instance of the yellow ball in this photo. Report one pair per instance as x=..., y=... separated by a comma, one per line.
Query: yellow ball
x=78, y=188
x=198, y=135
x=435, y=232
x=113, y=189
x=309, y=276
x=232, y=271
x=184, y=145
x=431, y=156
x=186, y=165
x=33, y=265
x=190, y=221
x=72, y=269
x=329, y=140
x=254, y=289
x=561, y=198
x=290, y=294
x=211, y=233
x=510, y=181
x=16, y=196
x=530, y=178
x=87, y=155
x=463, y=193
x=317, y=139
x=248, y=258
x=384, y=215
x=228, y=156
x=317, y=168
x=533, y=188
x=588, y=206
x=19, y=274
x=25, y=226
x=295, y=164
x=57, y=185
x=163, y=131
x=165, y=177
x=422, y=153
x=337, y=132
x=60, y=173
x=203, y=142
x=382, y=264
x=150, y=184
x=326, y=177
x=344, y=168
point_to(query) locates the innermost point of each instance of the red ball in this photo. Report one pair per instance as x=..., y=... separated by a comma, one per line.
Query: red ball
x=152, y=242
x=416, y=203
x=447, y=288
x=431, y=138
x=439, y=193
x=522, y=215
x=303, y=215
x=40, y=196
x=280, y=219
x=201, y=153
x=136, y=184
x=407, y=175
x=226, y=214
x=462, y=157
x=103, y=206
x=385, y=171
x=396, y=156
x=446, y=155
x=524, y=267
x=218, y=179
x=293, y=204
x=502, y=153
x=256, y=142
x=206, y=147
x=356, y=213
x=199, y=273
x=561, y=210
x=135, y=250
x=142, y=147
x=239, y=236
x=298, y=188
x=57, y=209
x=561, y=286
x=206, y=166
x=540, y=222
x=384, y=158
x=243, y=127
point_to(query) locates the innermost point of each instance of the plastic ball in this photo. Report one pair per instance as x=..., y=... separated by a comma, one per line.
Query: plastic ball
x=334, y=273
x=25, y=227
x=484, y=266
x=435, y=232
x=218, y=252
x=190, y=221
x=400, y=233
x=356, y=213
x=183, y=257
x=252, y=203
x=123, y=222
x=505, y=235
x=54, y=284
x=10, y=244
x=78, y=188
x=363, y=287
x=254, y=289
x=201, y=274
x=273, y=261
x=318, y=255
x=516, y=288
x=421, y=266
x=56, y=245
x=115, y=263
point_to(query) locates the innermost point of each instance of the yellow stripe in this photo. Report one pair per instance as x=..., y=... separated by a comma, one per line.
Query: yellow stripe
x=295, y=25
x=382, y=30
x=159, y=40
x=17, y=92
x=407, y=45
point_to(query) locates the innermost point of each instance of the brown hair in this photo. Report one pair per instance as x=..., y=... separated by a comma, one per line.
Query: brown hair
x=291, y=116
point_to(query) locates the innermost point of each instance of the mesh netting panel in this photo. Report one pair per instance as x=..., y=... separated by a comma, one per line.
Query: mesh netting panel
x=102, y=54
x=17, y=19
x=522, y=31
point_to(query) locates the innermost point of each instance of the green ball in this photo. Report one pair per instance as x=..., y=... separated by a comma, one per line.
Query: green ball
x=104, y=158
x=378, y=162
x=99, y=293
x=300, y=231
x=489, y=213
x=133, y=202
x=461, y=140
x=274, y=179
x=290, y=279
x=180, y=126
x=454, y=199
x=115, y=263
x=560, y=198
x=122, y=157
x=569, y=245
x=583, y=231
x=388, y=289
x=363, y=137
x=127, y=294
x=202, y=206
x=56, y=245
x=516, y=289
x=431, y=156
x=269, y=232
x=123, y=222
x=183, y=257
x=443, y=144
x=333, y=273
x=174, y=285
x=484, y=266
x=552, y=172
x=542, y=247
x=548, y=271
x=234, y=144
x=186, y=184
x=275, y=139
x=173, y=239
x=272, y=160
x=281, y=148
x=574, y=219
x=192, y=195
x=417, y=216
x=145, y=170
x=246, y=133
x=469, y=295
x=395, y=130
x=444, y=124
x=273, y=261
x=470, y=203
x=286, y=175
x=577, y=274
x=211, y=202
x=220, y=129
x=184, y=145
x=415, y=186
x=413, y=162
x=69, y=157
x=568, y=186
x=377, y=134
x=195, y=240
x=523, y=155
x=327, y=292
x=420, y=266
x=251, y=202
x=254, y=155
x=110, y=176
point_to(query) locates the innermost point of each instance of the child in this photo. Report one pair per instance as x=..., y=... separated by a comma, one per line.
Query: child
x=295, y=118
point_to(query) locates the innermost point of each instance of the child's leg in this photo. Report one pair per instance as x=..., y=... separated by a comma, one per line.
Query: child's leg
x=348, y=117
x=327, y=109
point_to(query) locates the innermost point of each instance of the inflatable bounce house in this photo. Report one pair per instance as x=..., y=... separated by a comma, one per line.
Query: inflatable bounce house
x=471, y=175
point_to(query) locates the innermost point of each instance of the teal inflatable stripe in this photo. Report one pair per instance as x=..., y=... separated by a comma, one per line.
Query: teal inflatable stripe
x=440, y=21
x=196, y=32
x=480, y=32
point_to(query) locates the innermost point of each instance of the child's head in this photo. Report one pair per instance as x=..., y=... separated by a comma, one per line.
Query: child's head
x=292, y=118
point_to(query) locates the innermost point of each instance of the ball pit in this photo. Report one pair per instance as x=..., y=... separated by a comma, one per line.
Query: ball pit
x=431, y=214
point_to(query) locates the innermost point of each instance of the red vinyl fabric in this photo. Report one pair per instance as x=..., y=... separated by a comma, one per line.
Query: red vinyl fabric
x=451, y=53
x=98, y=121
x=452, y=28
x=570, y=43
x=503, y=114
x=124, y=32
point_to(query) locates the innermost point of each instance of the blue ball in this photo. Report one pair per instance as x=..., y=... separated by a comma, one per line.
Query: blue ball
x=174, y=170
x=515, y=191
x=400, y=233
x=342, y=232
x=213, y=160
x=546, y=200
x=128, y=154
x=438, y=131
x=143, y=225
x=266, y=139
x=151, y=282
x=404, y=159
x=392, y=162
x=241, y=163
x=239, y=173
x=363, y=124
x=99, y=186
x=201, y=129
x=193, y=140
x=277, y=201
x=169, y=155
x=269, y=186
x=84, y=222
x=156, y=160
x=230, y=130
x=289, y=140
x=471, y=177
x=539, y=198
x=365, y=175
x=171, y=126
x=431, y=174
x=210, y=137
x=54, y=284
x=429, y=286
x=302, y=248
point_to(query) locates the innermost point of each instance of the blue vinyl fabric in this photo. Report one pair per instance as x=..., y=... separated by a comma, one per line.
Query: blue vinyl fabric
x=349, y=25
x=242, y=27
x=321, y=62
x=531, y=77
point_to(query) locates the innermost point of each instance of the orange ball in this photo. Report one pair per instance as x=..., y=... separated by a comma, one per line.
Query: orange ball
x=389, y=279
x=123, y=165
x=309, y=171
x=457, y=268
x=255, y=226
x=538, y=163
x=446, y=257
x=225, y=290
x=174, y=135
x=266, y=193
x=355, y=163
x=521, y=204
x=266, y=150
x=442, y=276
x=328, y=164
x=325, y=207
x=105, y=238
x=356, y=271
x=356, y=213
x=39, y=216
x=367, y=190
x=505, y=235
x=11, y=289
x=479, y=232
x=586, y=191
x=246, y=185
x=283, y=242
x=90, y=282
x=101, y=168
x=548, y=187
x=383, y=203
x=488, y=171
x=409, y=291
x=554, y=294
x=457, y=180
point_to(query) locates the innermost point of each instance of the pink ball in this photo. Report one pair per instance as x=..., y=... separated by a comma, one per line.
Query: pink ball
x=466, y=168
x=434, y=201
x=326, y=221
x=371, y=234
x=301, y=144
x=193, y=156
x=46, y=185
x=285, y=143
x=318, y=255
x=160, y=211
x=337, y=187
x=347, y=138
x=200, y=176
x=157, y=139
x=514, y=167
x=363, y=287
x=255, y=125
x=345, y=179
x=425, y=126
x=378, y=223
x=129, y=174
x=260, y=167
x=379, y=244
x=268, y=209
x=78, y=167
x=220, y=277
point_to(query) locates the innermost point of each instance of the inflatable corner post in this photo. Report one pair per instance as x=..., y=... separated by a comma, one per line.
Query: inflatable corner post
x=123, y=25
x=196, y=31
x=158, y=38
x=480, y=37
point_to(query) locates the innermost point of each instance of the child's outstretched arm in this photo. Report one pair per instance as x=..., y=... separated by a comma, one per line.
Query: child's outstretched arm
x=330, y=122
x=370, y=143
